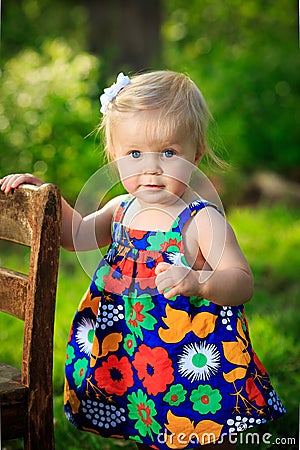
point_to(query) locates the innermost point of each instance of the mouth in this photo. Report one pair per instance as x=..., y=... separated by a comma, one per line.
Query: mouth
x=153, y=186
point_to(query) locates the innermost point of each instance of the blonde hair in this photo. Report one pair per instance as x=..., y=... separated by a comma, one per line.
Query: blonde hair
x=175, y=96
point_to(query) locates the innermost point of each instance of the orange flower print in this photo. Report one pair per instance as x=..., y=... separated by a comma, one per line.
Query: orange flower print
x=115, y=376
x=154, y=368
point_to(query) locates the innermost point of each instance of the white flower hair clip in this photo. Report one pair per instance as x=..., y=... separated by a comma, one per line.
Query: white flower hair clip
x=111, y=92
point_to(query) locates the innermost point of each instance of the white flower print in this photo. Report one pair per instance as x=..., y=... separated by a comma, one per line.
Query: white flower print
x=85, y=335
x=176, y=258
x=199, y=361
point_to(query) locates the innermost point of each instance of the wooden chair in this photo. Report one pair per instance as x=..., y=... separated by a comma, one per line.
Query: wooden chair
x=31, y=216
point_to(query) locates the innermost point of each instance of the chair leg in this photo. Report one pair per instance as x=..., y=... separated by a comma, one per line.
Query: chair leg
x=40, y=436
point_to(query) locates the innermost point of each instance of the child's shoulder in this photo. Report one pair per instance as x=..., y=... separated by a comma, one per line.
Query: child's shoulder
x=207, y=219
x=119, y=200
x=117, y=205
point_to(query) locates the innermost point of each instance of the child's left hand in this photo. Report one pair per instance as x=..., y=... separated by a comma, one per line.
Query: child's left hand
x=174, y=280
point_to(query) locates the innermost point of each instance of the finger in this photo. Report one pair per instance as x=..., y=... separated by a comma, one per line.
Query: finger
x=14, y=181
x=20, y=179
x=163, y=284
x=4, y=180
x=172, y=292
x=7, y=182
x=162, y=267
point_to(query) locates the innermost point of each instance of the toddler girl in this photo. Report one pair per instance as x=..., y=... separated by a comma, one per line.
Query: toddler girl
x=159, y=350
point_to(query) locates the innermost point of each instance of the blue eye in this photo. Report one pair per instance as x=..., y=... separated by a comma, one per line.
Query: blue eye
x=169, y=153
x=135, y=154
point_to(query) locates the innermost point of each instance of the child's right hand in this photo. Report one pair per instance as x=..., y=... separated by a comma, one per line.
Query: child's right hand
x=14, y=180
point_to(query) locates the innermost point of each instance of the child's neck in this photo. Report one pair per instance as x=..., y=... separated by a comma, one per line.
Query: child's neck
x=156, y=217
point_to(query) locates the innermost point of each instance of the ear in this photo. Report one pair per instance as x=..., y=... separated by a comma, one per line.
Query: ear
x=199, y=154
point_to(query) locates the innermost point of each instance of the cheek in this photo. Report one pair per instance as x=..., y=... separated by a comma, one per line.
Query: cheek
x=130, y=184
x=128, y=168
x=176, y=187
x=180, y=173
x=128, y=175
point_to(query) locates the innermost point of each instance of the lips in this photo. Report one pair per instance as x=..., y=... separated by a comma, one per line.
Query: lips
x=152, y=186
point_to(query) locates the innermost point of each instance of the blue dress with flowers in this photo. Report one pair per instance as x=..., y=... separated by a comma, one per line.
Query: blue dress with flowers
x=169, y=373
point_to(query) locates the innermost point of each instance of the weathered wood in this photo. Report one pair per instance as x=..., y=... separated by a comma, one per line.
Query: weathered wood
x=13, y=290
x=37, y=212
x=8, y=413
x=13, y=395
x=10, y=379
x=17, y=215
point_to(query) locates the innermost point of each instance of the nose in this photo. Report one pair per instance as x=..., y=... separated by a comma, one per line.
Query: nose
x=152, y=164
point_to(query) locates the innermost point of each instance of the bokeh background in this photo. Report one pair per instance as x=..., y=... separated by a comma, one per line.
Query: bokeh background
x=56, y=58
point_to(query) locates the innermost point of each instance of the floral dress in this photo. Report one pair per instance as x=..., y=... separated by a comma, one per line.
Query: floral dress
x=169, y=373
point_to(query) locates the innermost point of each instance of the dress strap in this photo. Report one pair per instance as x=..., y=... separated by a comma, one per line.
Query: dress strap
x=122, y=208
x=190, y=211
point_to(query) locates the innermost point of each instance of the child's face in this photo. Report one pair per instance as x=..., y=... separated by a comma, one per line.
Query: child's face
x=154, y=168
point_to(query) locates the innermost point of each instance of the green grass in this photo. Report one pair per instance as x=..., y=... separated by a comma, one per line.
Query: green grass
x=270, y=238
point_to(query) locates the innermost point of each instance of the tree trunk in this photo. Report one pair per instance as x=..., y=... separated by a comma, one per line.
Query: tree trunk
x=125, y=34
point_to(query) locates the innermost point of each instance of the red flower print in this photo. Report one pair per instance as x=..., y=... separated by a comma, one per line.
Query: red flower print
x=137, y=234
x=115, y=376
x=119, y=278
x=254, y=393
x=145, y=271
x=135, y=315
x=71, y=333
x=259, y=364
x=145, y=414
x=172, y=245
x=154, y=368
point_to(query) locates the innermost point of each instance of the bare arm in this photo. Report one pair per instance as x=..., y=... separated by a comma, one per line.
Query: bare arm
x=228, y=279
x=78, y=233
x=90, y=232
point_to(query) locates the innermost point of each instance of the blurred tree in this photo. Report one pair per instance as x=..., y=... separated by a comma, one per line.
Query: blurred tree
x=122, y=34
x=28, y=23
x=47, y=114
x=245, y=58
x=243, y=55
x=125, y=34
x=49, y=94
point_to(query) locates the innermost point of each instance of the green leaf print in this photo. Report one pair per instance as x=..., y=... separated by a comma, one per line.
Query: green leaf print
x=143, y=411
x=100, y=274
x=205, y=399
x=199, y=301
x=167, y=241
x=80, y=368
x=137, y=313
x=156, y=241
x=176, y=395
x=130, y=343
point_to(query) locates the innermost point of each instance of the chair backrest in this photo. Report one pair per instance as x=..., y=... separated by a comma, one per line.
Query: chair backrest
x=31, y=216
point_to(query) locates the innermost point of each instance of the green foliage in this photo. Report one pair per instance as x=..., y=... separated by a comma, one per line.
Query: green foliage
x=49, y=107
x=243, y=55
x=245, y=58
x=28, y=23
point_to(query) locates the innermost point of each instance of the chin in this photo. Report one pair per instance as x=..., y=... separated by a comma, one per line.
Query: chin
x=156, y=196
